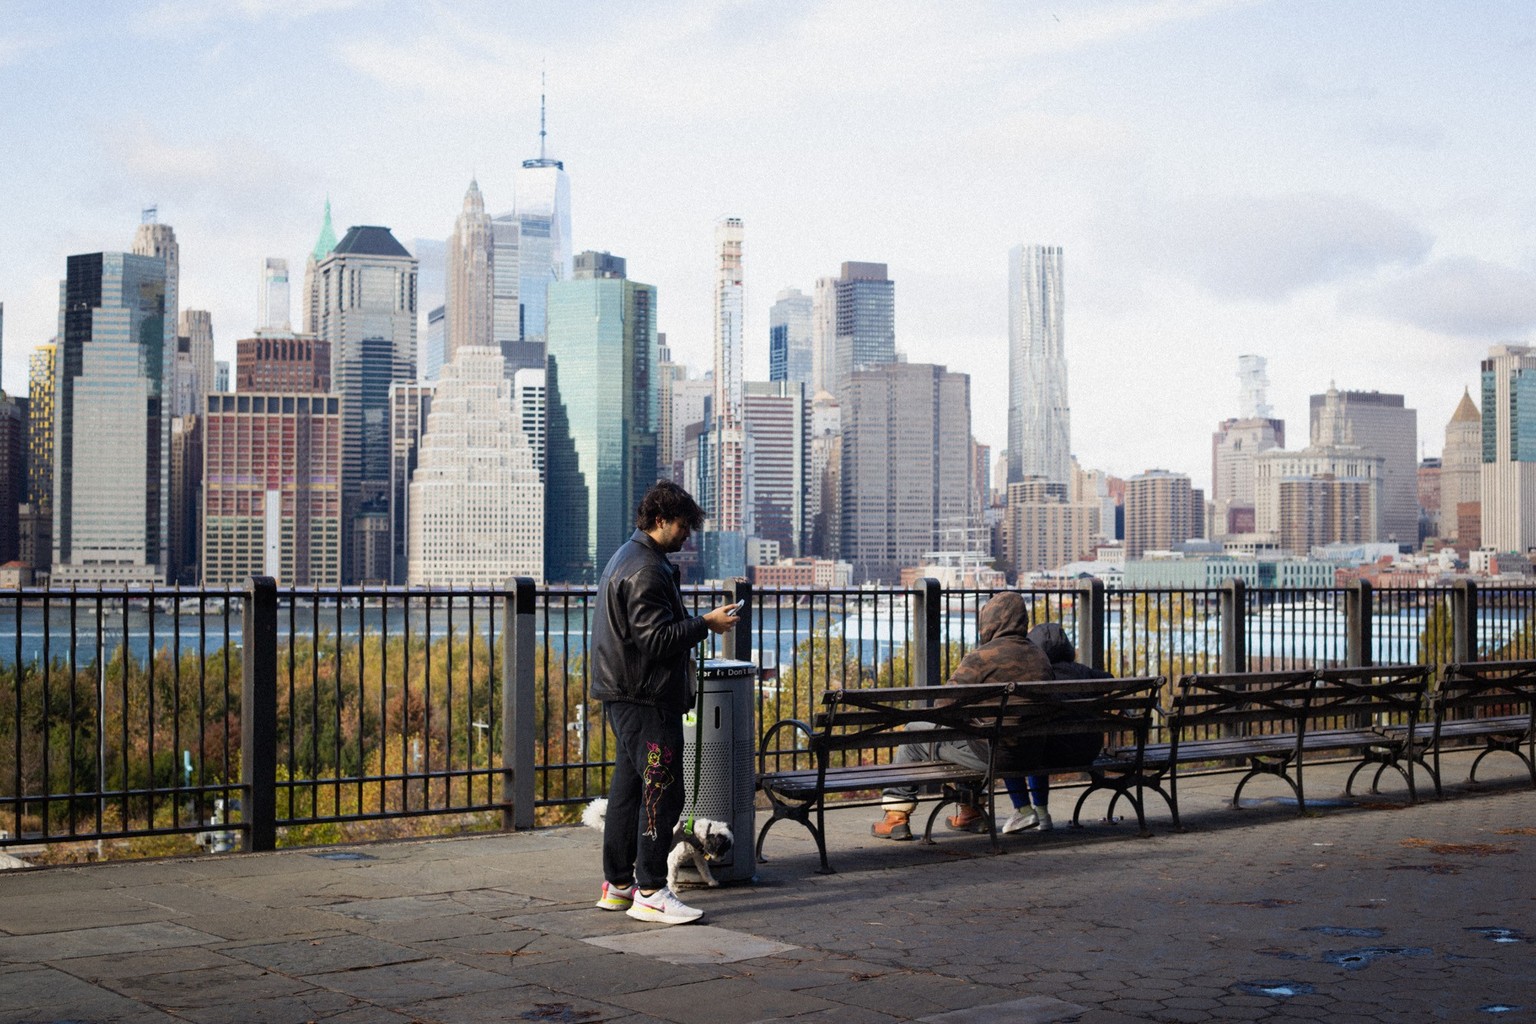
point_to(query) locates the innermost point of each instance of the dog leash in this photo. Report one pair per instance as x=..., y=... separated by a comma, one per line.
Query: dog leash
x=698, y=741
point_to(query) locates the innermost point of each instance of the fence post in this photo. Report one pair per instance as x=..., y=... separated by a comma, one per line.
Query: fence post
x=736, y=644
x=926, y=670
x=518, y=742
x=1234, y=625
x=1464, y=622
x=258, y=713
x=1359, y=623
x=1092, y=625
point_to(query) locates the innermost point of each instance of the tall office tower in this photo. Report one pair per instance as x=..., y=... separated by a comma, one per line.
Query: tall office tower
x=981, y=479
x=690, y=401
x=13, y=474
x=271, y=491
x=476, y=503
x=529, y=398
x=1162, y=511
x=776, y=427
x=1324, y=509
x=111, y=430
x=824, y=501
x=221, y=375
x=1044, y=529
x=668, y=376
x=1429, y=498
x=152, y=238
x=367, y=313
x=435, y=352
x=506, y=310
x=1039, y=418
x=194, y=361
x=824, y=336
x=865, y=321
x=470, y=252
x=40, y=413
x=184, y=498
x=543, y=208
x=1507, y=485
x=791, y=354
x=601, y=455
x=1461, y=465
x=272, y=303
x=905, y=464
x=410, y=403
x=1379, y=424
x=1235, y=446
x=723, y=502
x=282, y=362
x=324, y=245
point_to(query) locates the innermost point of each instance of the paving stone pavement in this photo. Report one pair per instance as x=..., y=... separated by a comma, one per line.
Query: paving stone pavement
x=1363, y=910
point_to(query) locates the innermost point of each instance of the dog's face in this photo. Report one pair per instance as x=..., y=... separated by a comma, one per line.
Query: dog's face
x=714, y=838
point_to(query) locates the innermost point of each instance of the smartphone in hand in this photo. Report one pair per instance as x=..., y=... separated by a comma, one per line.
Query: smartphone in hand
x=737, y=608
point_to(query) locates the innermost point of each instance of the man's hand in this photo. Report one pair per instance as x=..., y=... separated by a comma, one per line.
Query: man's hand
x=722, y=618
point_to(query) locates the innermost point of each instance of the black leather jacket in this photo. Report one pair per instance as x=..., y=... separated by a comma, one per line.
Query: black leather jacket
x=642, y=636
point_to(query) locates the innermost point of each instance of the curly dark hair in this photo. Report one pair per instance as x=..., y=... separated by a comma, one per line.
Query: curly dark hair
x=666, y=500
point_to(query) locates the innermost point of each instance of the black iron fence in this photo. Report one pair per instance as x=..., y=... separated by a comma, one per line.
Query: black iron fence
x=300, y=715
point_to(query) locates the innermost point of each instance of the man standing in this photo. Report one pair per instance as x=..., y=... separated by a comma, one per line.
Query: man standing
x=642, y=670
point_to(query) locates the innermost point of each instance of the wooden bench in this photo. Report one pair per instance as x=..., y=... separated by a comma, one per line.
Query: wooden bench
x=865, y=722
x=1272, y=720
x=1490, y=702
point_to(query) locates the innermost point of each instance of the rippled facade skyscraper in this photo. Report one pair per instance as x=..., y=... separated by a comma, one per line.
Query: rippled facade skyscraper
x=1039, y=418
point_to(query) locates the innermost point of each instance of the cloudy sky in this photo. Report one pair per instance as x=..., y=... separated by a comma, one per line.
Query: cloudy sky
x=1344, y=188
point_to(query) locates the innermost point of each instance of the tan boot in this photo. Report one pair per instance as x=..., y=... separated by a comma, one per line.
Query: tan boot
x=969, y=819
x=896, y=825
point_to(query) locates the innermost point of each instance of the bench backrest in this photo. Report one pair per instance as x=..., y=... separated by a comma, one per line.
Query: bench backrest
x=1070, y=706
x=1486, y=690
x=1259, y=703
x=1372, y=695
x=882, y=716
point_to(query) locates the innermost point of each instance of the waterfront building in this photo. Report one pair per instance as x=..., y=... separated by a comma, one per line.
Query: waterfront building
x=601, y=449
x=410, y=403
x=802, y=573
x=366, y=289
x=1461, y=465
x=273, y=306
x=1381, y=425
x=864, y=319
x=906, y=434
x=469, y=316
x=282, y=361
x=790, y=347
x=1209, y=572
x=111, y=430
x=776, y=427
x=476, y=503
x=543, y=211
x=1039, y=418
x=1162, y=511
x=272, y=489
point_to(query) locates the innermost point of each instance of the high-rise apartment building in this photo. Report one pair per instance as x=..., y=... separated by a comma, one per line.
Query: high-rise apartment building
x=1039, y=418
x=724, y=494
x=410, y=403
x=40, y=413
x=824, y=337
x=864, y=321
x=272, y=489
x=1461, y=465
x=470, y=309
x=776, y=427
x=1508, y=479
x=273, y=305
x=790, y=346
x=476, y=503
x=366, y=292
x=1339, y=462
x=1162, y=511
x=111, y=427
x=543, y=210
x=1381, y=425
x=13, y=473
x=1235, y=448
x=823, y=503
x=1044, y=530
x=905, y=465
x=601, y=454
x=1318, y=510
x=282, y=361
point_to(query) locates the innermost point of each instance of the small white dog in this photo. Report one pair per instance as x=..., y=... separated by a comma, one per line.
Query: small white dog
x=709, y=841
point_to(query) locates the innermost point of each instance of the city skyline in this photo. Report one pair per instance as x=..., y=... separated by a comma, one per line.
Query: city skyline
x=1225, y=178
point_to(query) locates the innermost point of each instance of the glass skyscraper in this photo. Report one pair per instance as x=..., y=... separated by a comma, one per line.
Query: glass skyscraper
x=864, y=321
x=1039, y=419
x=601, y=454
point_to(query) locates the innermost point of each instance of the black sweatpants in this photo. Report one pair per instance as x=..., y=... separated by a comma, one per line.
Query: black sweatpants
x=645, y=796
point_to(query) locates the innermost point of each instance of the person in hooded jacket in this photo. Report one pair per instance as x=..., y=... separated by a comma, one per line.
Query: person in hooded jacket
x=1031, y=797
x=1005, y=655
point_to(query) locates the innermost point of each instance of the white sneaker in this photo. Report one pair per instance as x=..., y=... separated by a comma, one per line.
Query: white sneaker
x=1028, y=817
x=662, y=907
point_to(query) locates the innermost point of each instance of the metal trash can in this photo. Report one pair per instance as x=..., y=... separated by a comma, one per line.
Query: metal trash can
x=725, y=752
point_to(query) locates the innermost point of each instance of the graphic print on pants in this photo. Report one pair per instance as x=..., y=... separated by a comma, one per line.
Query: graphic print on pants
x=658, y=776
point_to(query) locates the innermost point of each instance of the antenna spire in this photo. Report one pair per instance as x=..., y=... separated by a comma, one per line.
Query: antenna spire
x=541, y=114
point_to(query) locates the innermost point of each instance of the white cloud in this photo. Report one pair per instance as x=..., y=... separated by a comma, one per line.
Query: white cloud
x=1460, y=296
